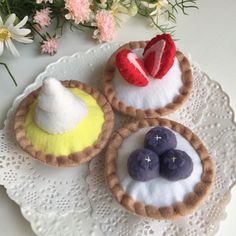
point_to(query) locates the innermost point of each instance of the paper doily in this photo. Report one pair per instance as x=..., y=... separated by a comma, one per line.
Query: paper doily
x=64, y=201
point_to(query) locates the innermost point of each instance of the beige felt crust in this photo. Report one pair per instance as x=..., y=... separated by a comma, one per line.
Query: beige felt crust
x=110, y=93
x=180, y=209
x=73, y=159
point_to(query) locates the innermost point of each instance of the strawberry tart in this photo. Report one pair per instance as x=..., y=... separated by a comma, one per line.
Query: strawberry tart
x=148, y=79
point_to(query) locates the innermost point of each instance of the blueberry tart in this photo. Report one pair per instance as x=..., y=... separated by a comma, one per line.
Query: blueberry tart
x=167, y=180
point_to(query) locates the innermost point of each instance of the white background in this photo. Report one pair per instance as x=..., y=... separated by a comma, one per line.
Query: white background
x=208, y=34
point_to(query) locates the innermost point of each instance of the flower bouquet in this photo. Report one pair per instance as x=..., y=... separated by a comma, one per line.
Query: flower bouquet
x=21, y=20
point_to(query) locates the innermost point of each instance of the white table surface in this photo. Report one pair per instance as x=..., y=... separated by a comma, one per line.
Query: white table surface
x=208, y=34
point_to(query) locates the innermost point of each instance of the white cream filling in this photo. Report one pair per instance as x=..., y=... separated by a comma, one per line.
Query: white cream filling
x=158, y=192
x=58, y=110
x=158, y=93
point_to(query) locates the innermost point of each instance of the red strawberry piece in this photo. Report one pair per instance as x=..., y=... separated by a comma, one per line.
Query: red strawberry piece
x=131, y=68
x=159, y=55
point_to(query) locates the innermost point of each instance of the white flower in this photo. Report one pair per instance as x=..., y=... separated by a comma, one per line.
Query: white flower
x=157, y=8
x=158, y=5
x=120, y=11
x=9, y=31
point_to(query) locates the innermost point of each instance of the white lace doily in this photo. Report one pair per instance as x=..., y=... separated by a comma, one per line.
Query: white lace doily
x=75, y=201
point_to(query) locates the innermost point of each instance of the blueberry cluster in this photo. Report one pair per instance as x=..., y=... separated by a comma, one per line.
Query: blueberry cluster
x=159, y=157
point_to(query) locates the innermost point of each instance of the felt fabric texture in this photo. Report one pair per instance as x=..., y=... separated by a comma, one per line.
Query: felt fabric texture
x=157, y=94
x=167, y=57
x=143, y=165
x=58, y=110
x=131, y=68
x=159, y=140
x=159, y=192
x=77, y=139
x=175, y=165
x=153, y=62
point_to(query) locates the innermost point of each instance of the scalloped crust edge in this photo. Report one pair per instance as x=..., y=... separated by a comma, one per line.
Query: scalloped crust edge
x=191, y=201
x=120, y=106
x=73, y=159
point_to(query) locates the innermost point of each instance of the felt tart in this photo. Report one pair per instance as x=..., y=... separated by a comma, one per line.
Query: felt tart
x=73, y=158
x=177, y=209
x=121, y=106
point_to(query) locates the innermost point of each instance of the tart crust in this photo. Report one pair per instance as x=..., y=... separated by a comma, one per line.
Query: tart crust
x=192, y=199
x=119, y=105
x=73, y=159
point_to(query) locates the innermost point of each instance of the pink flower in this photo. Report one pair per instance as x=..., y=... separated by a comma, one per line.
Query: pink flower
x=50, y=46
x=106, y=26
x=42, y=17
x=79, y=10
x=40, y=1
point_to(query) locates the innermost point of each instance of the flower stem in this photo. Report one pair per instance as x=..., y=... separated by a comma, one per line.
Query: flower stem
x=8, y=7
x=35, y=30
x=9, y=72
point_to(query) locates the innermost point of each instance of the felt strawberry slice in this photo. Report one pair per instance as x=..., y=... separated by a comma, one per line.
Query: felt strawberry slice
x=159, y=55
x=131, y=68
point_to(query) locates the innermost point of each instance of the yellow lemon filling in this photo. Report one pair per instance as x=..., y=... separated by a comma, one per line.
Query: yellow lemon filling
x=84, y=135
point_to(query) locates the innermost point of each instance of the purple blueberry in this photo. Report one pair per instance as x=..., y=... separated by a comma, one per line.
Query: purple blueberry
x=159, y=140
x=175, y=165
x=143, y=165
